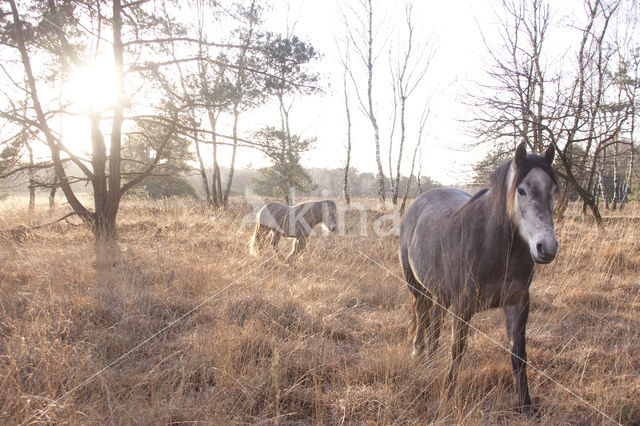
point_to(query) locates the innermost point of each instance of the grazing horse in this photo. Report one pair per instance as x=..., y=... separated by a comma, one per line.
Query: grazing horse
x=476, y=253
x=293, y=222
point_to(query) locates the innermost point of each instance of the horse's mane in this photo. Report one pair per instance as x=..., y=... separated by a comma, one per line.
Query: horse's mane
x=497, y=191
x=478, y=195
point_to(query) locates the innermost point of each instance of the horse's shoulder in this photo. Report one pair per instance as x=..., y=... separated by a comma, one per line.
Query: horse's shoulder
x=432, y=210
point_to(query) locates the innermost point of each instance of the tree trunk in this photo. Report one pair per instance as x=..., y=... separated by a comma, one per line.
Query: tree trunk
x=108, y=251
x=52, y=192
x=115, y=159
x=32, y=196
x=627, y=184
x=413, y=163
x=345, y=186
x=75, y=204
x=372, y=117
x=391, y=135
x=582, y=193
x=203, y=172
x=396, y=185
x=216, y=183
x=616, y=179
x=32, y=182
x=563, y=201
x=632, y=148
x=227, y=190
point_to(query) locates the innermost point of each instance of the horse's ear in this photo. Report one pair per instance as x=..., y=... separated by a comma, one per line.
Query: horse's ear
x=521, y=154
x=549, y=153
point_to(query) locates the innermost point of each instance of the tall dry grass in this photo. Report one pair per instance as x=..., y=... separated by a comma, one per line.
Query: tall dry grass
x=322, y=340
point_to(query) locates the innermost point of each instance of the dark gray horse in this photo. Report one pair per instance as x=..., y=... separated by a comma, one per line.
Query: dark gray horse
x=475, y=253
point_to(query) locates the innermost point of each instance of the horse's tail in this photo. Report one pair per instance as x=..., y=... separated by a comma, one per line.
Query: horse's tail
x=257, y=239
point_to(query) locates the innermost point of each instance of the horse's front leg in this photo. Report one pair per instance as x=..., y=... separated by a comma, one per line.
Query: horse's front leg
x=516, y=319
x=298, y=245
x=460, y=330
x=275, y=239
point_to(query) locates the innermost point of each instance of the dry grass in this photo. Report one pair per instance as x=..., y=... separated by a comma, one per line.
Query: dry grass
x=322, y=340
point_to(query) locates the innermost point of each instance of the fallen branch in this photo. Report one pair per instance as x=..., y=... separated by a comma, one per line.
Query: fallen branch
x=21, y=231
x=54, y=222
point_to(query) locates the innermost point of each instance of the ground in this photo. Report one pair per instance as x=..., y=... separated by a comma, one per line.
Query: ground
x=189, y=328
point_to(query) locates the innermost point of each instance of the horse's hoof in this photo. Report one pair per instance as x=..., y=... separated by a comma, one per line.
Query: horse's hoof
x=530, y=411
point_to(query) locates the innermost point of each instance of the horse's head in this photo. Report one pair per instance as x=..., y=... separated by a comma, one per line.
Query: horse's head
x=330, y=215
x=533, y=188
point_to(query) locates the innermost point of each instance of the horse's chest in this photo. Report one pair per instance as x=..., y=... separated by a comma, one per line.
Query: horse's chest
x=497, y=294
x=490, y=282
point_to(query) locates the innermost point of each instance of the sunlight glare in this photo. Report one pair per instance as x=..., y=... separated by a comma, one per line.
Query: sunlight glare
x=92, y=86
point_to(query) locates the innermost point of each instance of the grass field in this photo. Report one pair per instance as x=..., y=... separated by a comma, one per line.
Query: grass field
x=322, y=340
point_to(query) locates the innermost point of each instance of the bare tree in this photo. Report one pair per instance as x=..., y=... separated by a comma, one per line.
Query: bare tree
x=418, y=147
x=344, y=59
x=103, y=168
x=362, y=42
x=347, y=197
x=574, y=107
x=407, y=72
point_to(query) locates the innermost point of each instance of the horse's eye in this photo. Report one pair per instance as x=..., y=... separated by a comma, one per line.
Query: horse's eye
x=522, y=192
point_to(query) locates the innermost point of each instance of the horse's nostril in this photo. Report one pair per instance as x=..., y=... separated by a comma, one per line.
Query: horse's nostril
x=540, y=249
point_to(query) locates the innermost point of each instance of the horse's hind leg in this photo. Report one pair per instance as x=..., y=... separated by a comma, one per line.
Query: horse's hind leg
x=422, y=319
x=437, y=315
x=421, y=307
x=258, y=239
x=460, y=331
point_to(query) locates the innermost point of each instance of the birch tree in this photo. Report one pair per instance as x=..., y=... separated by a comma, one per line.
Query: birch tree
x=408, y=70
x=362, y=41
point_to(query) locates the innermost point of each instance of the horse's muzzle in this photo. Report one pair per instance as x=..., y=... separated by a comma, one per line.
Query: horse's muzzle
x=545, y=251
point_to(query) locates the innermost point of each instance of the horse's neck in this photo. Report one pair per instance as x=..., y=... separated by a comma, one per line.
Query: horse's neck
x=496, y=224
x=308, y=214
x=312, y=217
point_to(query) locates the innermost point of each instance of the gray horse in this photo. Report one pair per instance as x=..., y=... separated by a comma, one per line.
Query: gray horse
x=475, y=253
x=296, y=222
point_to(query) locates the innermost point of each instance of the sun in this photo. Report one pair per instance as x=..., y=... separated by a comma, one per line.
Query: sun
x=92, y=86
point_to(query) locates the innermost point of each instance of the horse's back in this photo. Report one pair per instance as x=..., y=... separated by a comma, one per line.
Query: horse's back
x=430, y=210
x=273, y=214
x=423, y=226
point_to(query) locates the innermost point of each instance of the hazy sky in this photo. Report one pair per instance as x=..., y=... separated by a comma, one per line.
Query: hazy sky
x=454, y=30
